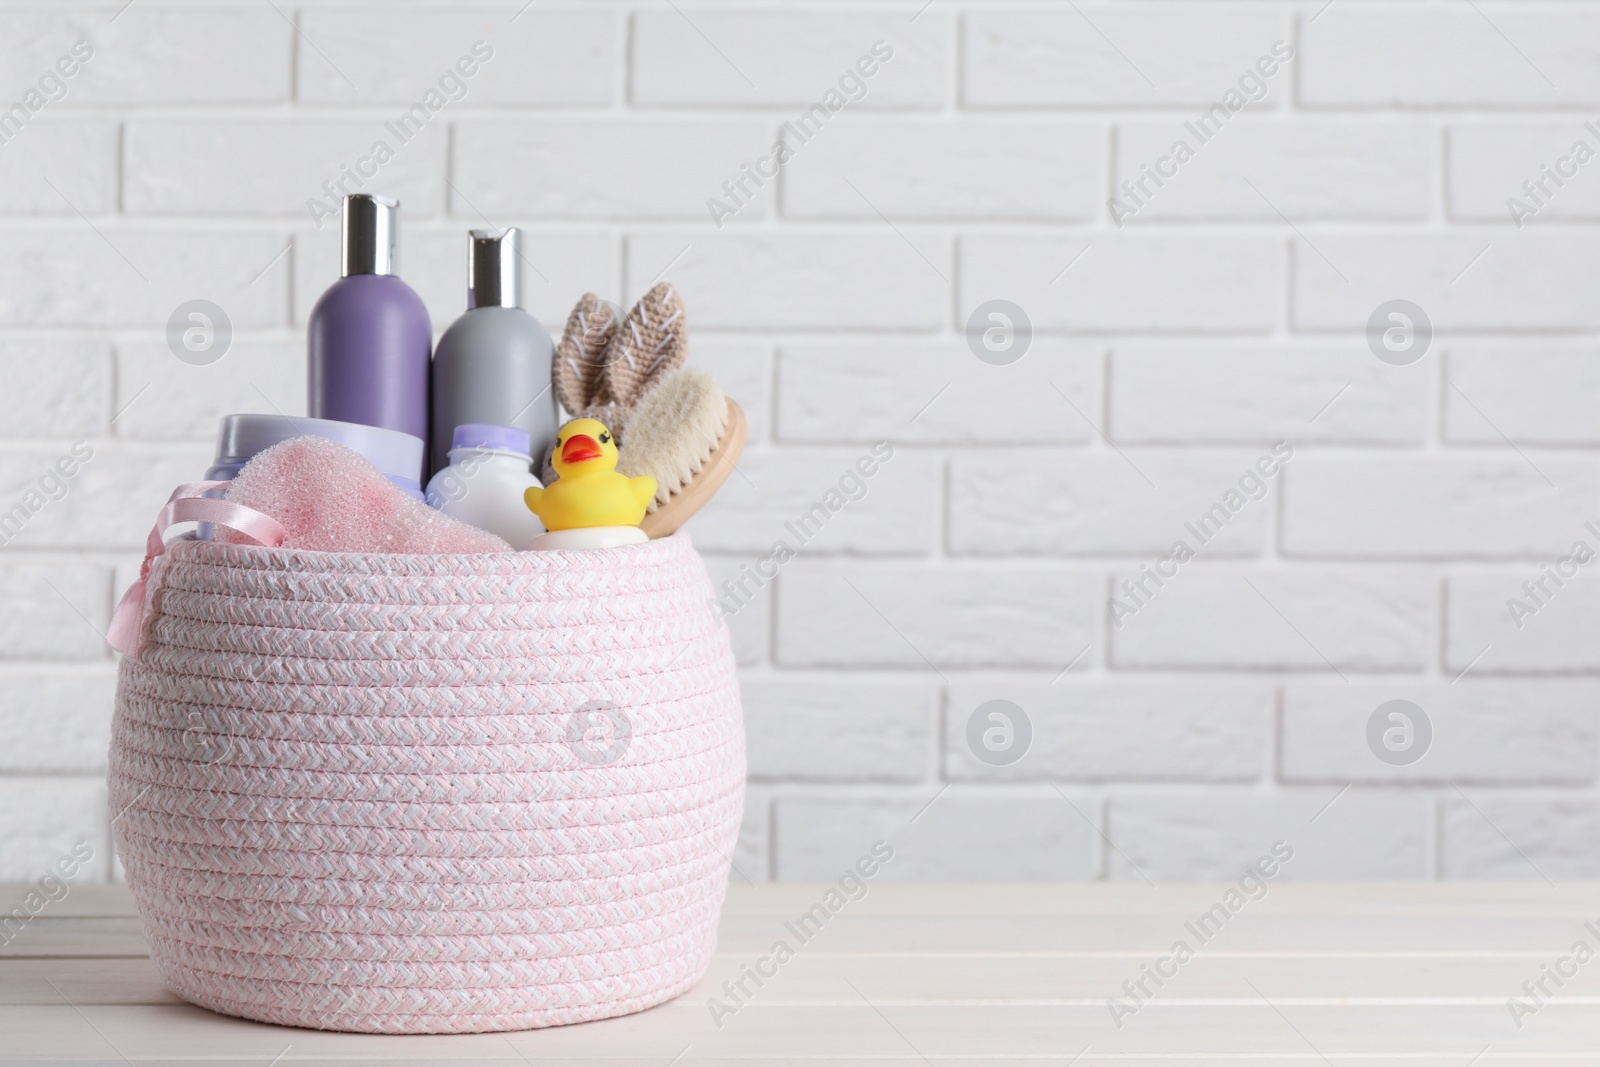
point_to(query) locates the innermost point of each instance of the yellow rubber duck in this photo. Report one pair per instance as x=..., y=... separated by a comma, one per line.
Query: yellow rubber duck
x=588, y=491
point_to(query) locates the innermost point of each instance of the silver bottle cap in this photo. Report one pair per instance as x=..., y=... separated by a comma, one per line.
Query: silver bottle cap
x=494, y=270
x=371, y=232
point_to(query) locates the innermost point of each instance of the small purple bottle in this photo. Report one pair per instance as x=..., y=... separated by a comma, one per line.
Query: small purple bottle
x=369, y=340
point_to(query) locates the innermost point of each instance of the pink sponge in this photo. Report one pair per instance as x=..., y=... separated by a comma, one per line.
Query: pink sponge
x=331, y=499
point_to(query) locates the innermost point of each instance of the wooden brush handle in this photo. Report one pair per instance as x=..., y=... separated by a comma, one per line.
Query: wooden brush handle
x=682, y=505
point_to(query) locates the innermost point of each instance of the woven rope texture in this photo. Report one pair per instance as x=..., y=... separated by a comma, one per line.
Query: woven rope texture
x=429, y=794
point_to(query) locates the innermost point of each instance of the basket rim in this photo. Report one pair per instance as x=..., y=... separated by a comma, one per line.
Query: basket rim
x=655, y=553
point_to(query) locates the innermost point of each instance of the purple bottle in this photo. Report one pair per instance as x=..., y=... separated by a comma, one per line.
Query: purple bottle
x=369, y=340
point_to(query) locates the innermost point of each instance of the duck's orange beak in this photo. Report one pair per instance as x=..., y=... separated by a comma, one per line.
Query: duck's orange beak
x=579, y=447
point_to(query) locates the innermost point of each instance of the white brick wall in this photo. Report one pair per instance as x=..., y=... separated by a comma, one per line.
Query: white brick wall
x=1177, y=730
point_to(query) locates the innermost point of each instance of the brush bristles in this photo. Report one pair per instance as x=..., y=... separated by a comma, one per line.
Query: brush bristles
x=674, y=430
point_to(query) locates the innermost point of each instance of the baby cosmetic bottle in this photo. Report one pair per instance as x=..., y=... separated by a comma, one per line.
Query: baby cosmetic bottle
x=369, y=336
x=493, y=363
x=483, y=485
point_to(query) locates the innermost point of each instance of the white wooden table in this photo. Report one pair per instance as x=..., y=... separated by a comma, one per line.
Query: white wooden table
x=947, y=974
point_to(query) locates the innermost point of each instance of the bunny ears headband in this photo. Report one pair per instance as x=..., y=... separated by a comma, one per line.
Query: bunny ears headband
x=605, y=363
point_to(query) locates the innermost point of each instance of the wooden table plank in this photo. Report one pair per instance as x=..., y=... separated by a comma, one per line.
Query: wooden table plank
x=1136, y=898
x=82, y=901
x=1249, y=931
x=54, y=938
x=1240, y=1030
x=829, y=1033
x=820, y=978
x=956, y=974
x=1246, y=932
x=82, y=981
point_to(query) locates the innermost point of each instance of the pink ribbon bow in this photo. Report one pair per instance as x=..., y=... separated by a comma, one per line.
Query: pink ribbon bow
x=186, y=504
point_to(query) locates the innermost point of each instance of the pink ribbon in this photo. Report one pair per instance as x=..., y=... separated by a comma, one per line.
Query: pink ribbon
x=186, y=504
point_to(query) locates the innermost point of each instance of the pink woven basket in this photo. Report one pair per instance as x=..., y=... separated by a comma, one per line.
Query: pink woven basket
x=428, y=794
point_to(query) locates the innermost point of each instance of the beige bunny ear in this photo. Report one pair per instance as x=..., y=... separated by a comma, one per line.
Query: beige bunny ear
x=653, y=342
x=579, y=365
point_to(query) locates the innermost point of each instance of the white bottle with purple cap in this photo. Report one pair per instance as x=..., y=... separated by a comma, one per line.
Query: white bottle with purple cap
x=490, y=468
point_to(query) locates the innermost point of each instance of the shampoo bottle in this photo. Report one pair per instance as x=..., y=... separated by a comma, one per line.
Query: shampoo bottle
x=493, y=363
x=369, y=336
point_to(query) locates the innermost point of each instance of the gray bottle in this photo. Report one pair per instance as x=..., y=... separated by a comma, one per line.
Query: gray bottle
x=493, y=364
